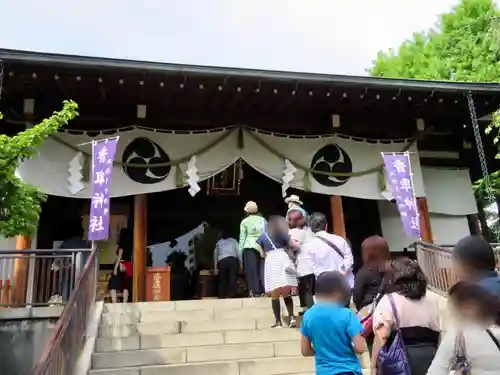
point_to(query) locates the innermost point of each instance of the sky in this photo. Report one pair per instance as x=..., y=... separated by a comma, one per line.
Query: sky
x=320, y=36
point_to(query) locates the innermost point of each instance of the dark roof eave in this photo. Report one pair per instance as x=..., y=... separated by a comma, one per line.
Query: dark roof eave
x=16, y=56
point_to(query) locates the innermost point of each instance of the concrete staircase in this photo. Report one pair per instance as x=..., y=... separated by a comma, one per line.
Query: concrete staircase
x=203, y=337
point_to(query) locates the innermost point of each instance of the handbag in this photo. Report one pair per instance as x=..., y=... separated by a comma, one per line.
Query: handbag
x=392, y=357
x=365, y=316
x=290, y=268
x=460, y=364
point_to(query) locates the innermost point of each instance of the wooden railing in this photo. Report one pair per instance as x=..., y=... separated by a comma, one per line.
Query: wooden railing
x=68, y=338
x=436, y=263
x=39, y=277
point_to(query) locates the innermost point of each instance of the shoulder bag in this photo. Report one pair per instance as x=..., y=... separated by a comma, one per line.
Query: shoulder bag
x=332, y=245
x=392, y=357
x=365, y=314
x=460, y=364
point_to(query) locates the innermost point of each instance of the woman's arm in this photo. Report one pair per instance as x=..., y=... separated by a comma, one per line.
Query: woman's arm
x=383, y=319
x=358, y=292
x=381, y=336
x=441, y=363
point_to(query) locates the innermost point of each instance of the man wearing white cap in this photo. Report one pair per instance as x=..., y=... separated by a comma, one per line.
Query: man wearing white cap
x=251, y=228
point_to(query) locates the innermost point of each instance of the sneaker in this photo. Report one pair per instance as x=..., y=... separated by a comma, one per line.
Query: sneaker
x=277, y=325
x=293, y=323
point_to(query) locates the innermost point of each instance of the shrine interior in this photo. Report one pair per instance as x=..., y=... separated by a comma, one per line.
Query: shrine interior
x=173, y=214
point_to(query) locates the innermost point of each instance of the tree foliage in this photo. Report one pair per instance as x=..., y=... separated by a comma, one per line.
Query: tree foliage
x=20, y=203
x=464, y=46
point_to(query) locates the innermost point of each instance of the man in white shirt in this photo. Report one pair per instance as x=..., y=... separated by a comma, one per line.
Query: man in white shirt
x=327, y=252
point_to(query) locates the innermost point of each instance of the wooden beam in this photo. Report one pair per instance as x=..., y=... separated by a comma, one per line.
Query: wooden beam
x=139, y=257
x=337, y=212
x=425, y=220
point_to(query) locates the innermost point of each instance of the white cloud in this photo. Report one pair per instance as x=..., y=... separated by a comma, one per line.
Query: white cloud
x=325, y=36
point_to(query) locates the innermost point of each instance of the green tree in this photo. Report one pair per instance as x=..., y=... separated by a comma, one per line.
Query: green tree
x=20, y=203
x=464, y=46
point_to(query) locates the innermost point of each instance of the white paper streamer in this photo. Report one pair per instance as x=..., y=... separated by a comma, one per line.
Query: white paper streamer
x=193, y=178
x=288, y=175
x=75, y=178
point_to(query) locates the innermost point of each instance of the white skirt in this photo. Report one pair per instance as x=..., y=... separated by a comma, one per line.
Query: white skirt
x=275, y=274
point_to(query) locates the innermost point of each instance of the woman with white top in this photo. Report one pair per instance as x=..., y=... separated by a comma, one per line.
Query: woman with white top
x=476, y=332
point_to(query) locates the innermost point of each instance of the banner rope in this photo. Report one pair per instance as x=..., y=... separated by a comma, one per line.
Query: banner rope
x=171, y=163
x=307, y=171
x=329, y=174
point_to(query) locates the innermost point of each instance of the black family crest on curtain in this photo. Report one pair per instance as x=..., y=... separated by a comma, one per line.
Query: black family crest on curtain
x=333, y=159
x=144, y=151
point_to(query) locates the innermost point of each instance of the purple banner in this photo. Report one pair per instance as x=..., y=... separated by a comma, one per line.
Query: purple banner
x=400, y=178
x=103, y=154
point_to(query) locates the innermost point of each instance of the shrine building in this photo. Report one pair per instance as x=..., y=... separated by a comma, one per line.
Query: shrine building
x=196, y=143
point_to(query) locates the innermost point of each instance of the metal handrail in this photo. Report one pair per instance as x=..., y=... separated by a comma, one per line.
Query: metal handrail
x=61, y=353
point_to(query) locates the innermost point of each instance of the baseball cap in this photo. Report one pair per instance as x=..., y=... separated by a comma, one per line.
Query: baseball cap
x=332, y=282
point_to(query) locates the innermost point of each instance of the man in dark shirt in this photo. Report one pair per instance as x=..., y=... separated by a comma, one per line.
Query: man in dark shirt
x=474, y=260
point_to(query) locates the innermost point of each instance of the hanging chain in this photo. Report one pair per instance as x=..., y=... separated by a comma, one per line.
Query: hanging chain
x=490, y=196
x=1, y=79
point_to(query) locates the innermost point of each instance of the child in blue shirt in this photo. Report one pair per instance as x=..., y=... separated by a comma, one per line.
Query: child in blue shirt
x=330, y=331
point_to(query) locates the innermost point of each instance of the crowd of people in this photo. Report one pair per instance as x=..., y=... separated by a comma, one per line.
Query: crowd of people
x=396, y=320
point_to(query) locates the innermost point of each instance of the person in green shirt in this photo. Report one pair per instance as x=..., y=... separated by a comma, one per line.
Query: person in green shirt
x=251, y=228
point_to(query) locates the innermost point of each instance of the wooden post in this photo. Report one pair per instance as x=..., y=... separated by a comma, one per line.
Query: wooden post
x=20, y=271
x=139, y=257
x=425, y=220
x=474, y=225
x=337, y=212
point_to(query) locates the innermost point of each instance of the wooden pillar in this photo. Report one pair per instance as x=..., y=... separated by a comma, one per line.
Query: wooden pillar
x=337, y=212
x=139, y=257
x=20, y=271
x=425, y=220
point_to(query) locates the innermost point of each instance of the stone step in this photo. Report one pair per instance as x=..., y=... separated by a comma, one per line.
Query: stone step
x=261, y=366
x=131, y=316
x=237, y=352
x=172, y=327
x=189, y=305
x=137, y=342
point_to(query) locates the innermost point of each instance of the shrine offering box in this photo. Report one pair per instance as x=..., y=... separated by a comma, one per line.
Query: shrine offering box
x=158, y=284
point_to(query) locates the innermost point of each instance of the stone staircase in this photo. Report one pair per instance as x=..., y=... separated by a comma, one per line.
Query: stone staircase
x=202, y=337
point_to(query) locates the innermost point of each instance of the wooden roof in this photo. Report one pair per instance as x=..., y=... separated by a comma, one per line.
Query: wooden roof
x=198, y=97
x=187, y=96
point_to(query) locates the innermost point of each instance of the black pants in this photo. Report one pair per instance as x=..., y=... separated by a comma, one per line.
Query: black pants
x=253, y=264
x=306, y=290
x=228, y=276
